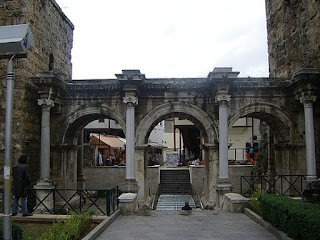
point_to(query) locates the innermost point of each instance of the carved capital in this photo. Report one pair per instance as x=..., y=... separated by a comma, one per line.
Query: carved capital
x=307, y=101
x=130, y=100
x=46, y=103
x=222, y=97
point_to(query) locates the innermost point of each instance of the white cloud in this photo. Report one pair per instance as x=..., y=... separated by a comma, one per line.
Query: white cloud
x=167, y=38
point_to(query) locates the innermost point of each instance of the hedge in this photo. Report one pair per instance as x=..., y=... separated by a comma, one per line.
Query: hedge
x=16, y=231
x=299, y=219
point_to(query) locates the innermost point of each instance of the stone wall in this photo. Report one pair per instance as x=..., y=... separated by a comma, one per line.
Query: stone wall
x=293, y=35
x=53, y=35
x=104, y=177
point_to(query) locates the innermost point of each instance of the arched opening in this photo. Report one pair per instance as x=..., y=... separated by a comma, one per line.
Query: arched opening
x=175, y=142
x=89, y=148
x=182, y=122
x=268, y=142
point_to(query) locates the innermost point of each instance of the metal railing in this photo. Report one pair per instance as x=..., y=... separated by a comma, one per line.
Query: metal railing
x=155, y=198
x=288, y=185
x=65, y=201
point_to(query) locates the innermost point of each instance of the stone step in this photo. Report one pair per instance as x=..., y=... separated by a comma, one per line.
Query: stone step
x=174, y=202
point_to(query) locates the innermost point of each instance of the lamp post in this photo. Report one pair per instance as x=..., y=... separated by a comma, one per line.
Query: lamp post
x=14, y=42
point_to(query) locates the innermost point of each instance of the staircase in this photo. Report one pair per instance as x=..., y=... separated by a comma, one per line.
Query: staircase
x=175, y=182
x=174, y=202
x=174, y=189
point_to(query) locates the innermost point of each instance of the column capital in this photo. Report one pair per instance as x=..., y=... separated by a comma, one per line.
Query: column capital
x=307, y=101
x=223, y=97
x=130, y=100
x=46, y=102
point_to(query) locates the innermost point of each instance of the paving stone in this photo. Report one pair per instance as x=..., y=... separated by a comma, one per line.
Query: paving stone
x=198, y=225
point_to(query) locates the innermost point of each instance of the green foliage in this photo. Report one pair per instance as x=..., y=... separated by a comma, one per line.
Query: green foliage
x=300, y=220
x=255, y=202
x=16, y=231
x=69, y=229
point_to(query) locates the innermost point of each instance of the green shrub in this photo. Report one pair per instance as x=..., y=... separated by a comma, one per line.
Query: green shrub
x=16, y=231
x=255, y=202
x=300, y=220
x=69, y=229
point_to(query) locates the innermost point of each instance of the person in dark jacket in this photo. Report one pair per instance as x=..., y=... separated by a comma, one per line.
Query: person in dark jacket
x=21, y=181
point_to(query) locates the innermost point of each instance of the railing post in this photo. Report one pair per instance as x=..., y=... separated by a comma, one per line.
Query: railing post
x=108, y=202
x=54, y=200
x=80, y=193
x=241, y=185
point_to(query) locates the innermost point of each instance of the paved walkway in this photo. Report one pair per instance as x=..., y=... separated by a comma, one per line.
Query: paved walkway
x=177, y=225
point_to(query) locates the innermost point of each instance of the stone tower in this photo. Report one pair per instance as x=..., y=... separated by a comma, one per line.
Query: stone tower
x=293, y=35
x=53, y=35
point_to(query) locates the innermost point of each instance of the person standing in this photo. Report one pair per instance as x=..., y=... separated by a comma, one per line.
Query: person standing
x=21, y=181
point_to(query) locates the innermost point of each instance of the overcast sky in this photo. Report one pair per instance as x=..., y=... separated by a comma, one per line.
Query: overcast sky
x=167, y=38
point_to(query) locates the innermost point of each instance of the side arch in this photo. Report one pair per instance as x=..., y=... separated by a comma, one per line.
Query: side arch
x=70, y=128
x=276, y=117
x=200, y=119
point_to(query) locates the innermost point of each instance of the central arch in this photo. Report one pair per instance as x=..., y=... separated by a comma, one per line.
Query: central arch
x=200, y=119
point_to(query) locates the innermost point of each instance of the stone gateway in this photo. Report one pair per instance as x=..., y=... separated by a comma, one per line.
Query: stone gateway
x=51, y=110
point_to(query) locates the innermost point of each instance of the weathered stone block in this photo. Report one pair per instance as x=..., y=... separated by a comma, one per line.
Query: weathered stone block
x=234, y=202
x=128, y=203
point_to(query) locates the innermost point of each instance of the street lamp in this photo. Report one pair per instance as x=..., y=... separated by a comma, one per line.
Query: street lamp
x=14, y=42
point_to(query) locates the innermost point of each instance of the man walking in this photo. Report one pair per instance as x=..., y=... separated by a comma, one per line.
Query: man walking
x=21, y=181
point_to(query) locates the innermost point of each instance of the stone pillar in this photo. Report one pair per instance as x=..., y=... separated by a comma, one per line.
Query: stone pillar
x=307, y=101
x=141, y=172
x=44, y=185
x=211, y=174
x=271, y=156
x=223, y=137
x=80, y=173
x=224, y=186
x=131, y=183
x=46, y=105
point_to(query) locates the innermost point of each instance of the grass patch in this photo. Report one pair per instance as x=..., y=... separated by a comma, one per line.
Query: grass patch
x=33, y=230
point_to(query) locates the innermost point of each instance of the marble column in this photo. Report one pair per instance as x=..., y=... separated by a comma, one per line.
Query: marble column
x=307, y=101
x=44, y=185
x=223, y=99
x=46, y=105
x=131, y=183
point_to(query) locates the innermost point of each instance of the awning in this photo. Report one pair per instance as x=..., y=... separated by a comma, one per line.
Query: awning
x=112, y=141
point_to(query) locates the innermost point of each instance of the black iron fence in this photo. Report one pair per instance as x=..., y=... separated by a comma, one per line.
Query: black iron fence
x=288, y=185
x=65, y=201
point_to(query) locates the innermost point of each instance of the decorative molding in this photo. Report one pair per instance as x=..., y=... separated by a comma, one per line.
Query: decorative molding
x=307, y=101
x=46, y=103
x=223, y=97
x=130, y=100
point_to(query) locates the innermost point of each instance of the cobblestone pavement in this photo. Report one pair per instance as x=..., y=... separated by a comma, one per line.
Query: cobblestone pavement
x=177, y=225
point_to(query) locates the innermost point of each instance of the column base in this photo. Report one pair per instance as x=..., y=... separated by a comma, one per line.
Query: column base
x=129, y=186
x=43, y=192
x=309, y=178
x=222, y=188
x=128, y=203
